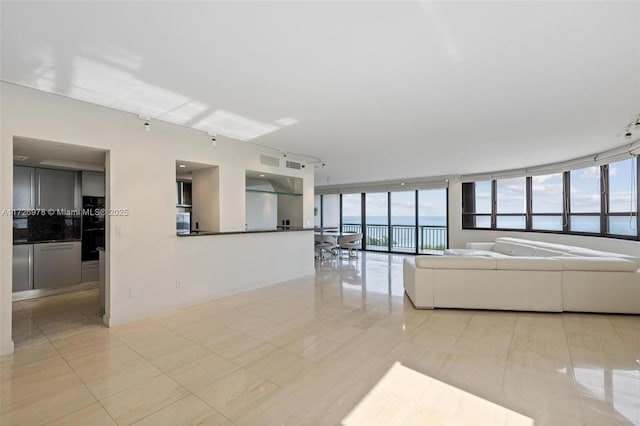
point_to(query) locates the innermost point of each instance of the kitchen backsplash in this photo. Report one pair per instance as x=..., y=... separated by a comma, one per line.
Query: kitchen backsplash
x=33, y=229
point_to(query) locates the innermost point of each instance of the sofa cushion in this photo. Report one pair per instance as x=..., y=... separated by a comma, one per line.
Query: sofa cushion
x=522, y=250
x=459, y=252
x=578, y=263
x=529, y=263
x=480, y=246
x=455, y=262
x=504, y=248
x=543, y=252
x=566, y=249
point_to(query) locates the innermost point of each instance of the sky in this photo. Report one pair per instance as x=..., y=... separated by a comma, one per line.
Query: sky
x=547, y=191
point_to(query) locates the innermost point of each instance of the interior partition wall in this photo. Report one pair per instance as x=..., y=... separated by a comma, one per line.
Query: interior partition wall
x=404, y=221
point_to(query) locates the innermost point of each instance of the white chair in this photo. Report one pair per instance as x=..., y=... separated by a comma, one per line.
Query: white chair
x=351, y=243
x=325, y=243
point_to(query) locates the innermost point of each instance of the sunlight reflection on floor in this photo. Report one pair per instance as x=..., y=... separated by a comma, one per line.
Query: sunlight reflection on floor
x=406, y=397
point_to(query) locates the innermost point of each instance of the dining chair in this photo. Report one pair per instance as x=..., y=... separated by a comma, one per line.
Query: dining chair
x=351, y=243
x=325, y=243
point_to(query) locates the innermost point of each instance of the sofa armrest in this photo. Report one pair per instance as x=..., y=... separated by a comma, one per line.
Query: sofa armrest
x=480, y=246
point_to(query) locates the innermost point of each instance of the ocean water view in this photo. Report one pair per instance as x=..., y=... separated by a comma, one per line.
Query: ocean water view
x=618, y=225
x=398, y=220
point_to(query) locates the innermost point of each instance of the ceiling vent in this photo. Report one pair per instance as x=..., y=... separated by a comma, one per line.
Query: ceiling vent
x=20, y=158
x=293, y=165
x=267, y=160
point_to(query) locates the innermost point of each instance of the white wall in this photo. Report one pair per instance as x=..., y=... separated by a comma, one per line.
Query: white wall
x=141, y=178
x=290, y=208
x=458, y=238
x=262, y=210
x=205, y=199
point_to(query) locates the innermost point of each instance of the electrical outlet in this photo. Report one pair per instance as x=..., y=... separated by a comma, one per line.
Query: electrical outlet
x=133, y=291
x=179, y=284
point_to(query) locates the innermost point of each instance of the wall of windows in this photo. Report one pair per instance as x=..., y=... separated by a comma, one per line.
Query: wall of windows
x=413, y=221
x=598, y=200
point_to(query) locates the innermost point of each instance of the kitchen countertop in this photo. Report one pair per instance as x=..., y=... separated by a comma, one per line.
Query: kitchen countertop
x=21, y=242
x=251, y=231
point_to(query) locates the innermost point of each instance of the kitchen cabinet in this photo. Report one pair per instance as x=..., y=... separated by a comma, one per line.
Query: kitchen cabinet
x=57, y=264
x=92, y=184
x=24, y=188
x=22, y=267
x=55, y=189
x=44, y=189
x=90, y=271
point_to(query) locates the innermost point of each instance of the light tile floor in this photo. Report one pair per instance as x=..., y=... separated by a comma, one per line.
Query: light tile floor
x=344, y=347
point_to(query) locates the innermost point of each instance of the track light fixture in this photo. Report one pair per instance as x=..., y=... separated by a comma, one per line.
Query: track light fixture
x=213, y=138
x=628, y=134
x=147, y=124
x=631, y=128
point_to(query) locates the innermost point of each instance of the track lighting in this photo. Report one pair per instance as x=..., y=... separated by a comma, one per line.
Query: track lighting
x=628, y=134
x=633, y=126
x=147, y=124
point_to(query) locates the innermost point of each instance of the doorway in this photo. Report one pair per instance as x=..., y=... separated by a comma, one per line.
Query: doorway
x=60, y=234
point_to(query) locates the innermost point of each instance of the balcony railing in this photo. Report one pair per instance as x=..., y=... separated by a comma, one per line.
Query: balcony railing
x=403, y=237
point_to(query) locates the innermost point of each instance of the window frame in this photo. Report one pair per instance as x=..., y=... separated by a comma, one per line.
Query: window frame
x=469, y=216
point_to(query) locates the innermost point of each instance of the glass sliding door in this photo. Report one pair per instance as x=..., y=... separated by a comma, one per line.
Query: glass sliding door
x=352, y=213
x=377, y=221
x=403, y=221
x=432, y=220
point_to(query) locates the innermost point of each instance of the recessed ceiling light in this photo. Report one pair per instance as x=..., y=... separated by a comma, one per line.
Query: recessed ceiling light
x=182, y=165
x=261, y=175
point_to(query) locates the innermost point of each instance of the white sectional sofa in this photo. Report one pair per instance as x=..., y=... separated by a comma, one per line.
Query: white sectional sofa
x=525, y=275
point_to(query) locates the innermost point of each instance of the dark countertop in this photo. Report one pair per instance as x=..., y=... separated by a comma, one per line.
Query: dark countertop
x=21, y=242
x=251, y=231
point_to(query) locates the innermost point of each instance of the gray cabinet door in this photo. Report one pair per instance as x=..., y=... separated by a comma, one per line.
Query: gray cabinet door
x=57, y=264
x=93, y=184
x=23, y=188
x=55, y=189
x=23, y=267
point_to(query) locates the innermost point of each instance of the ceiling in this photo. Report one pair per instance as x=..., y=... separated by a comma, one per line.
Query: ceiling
x=377, y=90
x=37, y=153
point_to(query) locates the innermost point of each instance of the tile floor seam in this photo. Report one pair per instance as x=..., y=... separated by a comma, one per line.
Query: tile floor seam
x=161, y=408
x=81, y=381
x=624, y=341
x=213, y=408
